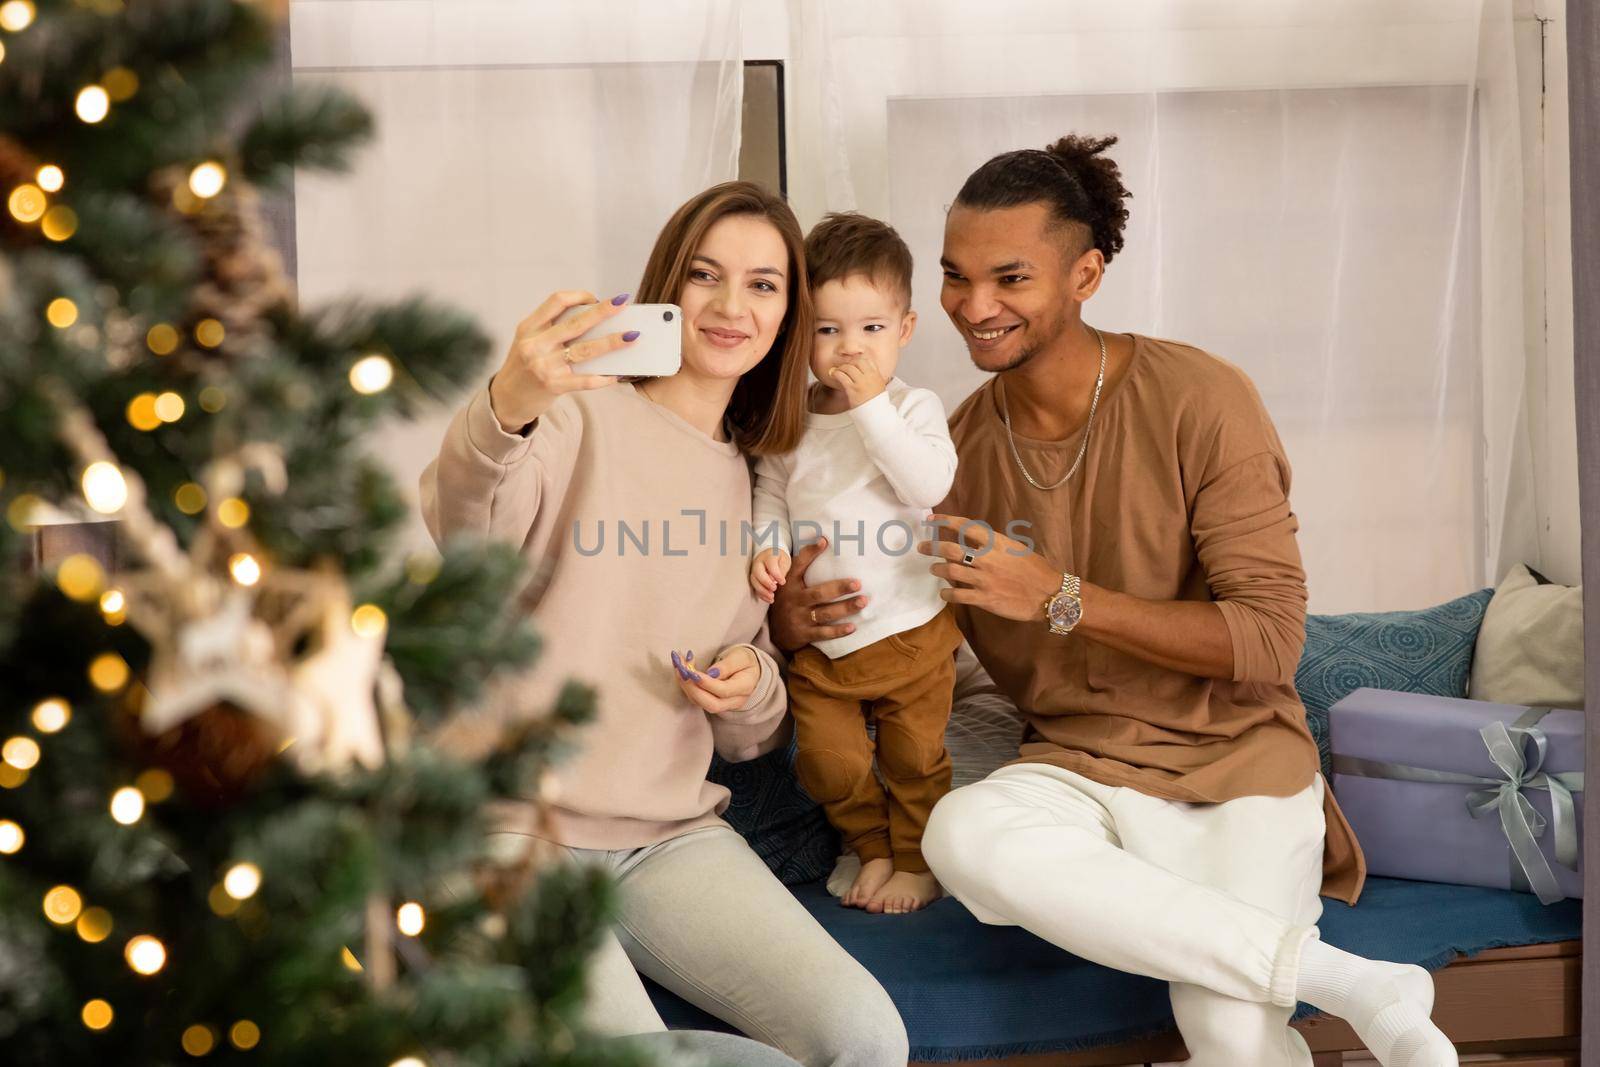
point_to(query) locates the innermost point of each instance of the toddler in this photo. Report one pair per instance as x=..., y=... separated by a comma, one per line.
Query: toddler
x=875, y=459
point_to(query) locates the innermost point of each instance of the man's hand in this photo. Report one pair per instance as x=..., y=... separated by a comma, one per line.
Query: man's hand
x=1005, y=577
x=803, y=614
x=860, y=380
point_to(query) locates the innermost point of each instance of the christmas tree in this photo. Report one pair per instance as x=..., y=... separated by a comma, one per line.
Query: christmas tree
x=229, y=825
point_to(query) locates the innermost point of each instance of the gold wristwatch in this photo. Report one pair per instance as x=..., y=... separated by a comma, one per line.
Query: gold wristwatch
x=1064, y=609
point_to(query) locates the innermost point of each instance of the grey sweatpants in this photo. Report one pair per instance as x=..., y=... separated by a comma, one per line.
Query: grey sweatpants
x=701, y=915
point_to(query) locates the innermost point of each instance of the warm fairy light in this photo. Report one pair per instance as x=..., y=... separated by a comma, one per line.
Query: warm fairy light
x=242, y=881
x=112, y=601
x=2, y=51
x=233, y=513
x=80, y=577
x=127, y=805
x=94, y=925
x=410, y=918
x=408, y=1061
x=121, y=83
x=190, y=498
x=209, y=332
x=349, y=960
x=207, y=180
x=50, y=178
x=61, y=312
x=244, y=1035
x=162, y=339
x=221, y=902
x=16, y=15
x=185, y=200
x=97, y=1014
x=60, y=223
x=141, y=412
x=50, y=716
x=155, y=783
x=22, y=511
x=169, y=407
x=371, y=374
x=104, y=487
x=198, y=1040
x=21, y=753
x=62, y=905
x=11, y=777
x=244, y=568
x=27, y=203
x=213, y=398
x=145, y=954
x=94, y=103
x=368, y=620
x=108, y=672
x=11, y=837
x=422, y=568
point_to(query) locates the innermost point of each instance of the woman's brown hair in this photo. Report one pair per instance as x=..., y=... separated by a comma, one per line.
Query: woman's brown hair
x=767, y=412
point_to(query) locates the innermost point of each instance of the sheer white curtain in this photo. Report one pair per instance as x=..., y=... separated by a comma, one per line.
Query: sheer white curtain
x=1328, y=195
x=521, y=148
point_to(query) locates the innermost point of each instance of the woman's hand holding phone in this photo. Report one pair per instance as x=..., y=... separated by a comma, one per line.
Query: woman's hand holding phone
x=538, y=368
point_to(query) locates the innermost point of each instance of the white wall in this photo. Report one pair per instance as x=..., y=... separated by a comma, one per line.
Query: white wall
x=1552, y=413
x=345, y=246
x=521, y=149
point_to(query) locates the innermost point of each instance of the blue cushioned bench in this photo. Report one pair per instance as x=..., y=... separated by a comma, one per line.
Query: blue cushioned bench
x=973, y=992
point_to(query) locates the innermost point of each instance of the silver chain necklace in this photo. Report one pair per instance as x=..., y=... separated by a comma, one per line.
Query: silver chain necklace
x=1099, y=383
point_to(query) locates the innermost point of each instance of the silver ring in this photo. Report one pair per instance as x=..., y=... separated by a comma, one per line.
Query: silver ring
x=968, y=558
x=813, y=616
x=566, y=353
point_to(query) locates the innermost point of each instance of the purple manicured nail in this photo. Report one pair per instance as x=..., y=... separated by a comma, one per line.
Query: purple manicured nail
x=689, y=654
x=676, y=662
x=715, y=672
x=618, y=301
x=631, y=335
x=683, y=674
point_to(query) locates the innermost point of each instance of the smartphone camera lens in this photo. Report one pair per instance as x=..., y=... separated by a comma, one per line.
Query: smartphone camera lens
x=666, y=316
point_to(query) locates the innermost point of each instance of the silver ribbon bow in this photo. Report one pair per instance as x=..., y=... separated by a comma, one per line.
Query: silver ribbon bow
x=1520, y=821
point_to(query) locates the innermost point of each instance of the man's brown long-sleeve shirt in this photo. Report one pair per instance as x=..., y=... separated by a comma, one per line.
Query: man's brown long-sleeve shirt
x=1183, y=495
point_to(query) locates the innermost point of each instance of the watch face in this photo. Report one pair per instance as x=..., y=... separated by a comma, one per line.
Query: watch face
x=1065, y=611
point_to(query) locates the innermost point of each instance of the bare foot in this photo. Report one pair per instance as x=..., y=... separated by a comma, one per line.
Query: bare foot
x=904, y=893
x=874, y=875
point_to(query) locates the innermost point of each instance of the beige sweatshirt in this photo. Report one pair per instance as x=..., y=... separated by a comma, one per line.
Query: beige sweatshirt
x=632, y=519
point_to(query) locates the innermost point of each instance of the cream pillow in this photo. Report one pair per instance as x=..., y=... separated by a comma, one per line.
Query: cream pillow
x=1530, y=649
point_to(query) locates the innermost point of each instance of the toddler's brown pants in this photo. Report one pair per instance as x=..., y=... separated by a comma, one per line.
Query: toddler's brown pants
x=903, y=683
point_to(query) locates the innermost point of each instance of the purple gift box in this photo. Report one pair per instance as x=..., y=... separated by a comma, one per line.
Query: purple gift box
x=1462, y=791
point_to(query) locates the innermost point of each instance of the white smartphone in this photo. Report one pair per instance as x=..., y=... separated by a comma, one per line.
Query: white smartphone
x=657, y=352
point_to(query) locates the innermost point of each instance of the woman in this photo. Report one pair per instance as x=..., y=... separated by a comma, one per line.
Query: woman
x=557, y=462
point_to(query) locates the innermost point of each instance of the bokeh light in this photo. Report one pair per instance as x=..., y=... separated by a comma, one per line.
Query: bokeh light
x=52, y=714
x=93, y=103
x=145, y=954
x=371, y=374
x=104, y=487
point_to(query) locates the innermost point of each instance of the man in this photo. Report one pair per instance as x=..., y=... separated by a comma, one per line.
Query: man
x=1166, y=815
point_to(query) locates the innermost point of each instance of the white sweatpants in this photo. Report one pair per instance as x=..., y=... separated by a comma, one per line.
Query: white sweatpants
x=1215, y=899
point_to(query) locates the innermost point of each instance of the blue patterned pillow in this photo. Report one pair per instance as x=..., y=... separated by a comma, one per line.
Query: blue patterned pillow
x=1428, y=651
x=787, y=829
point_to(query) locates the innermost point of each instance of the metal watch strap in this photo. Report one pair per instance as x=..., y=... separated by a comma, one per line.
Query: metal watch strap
x=1072, y=585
